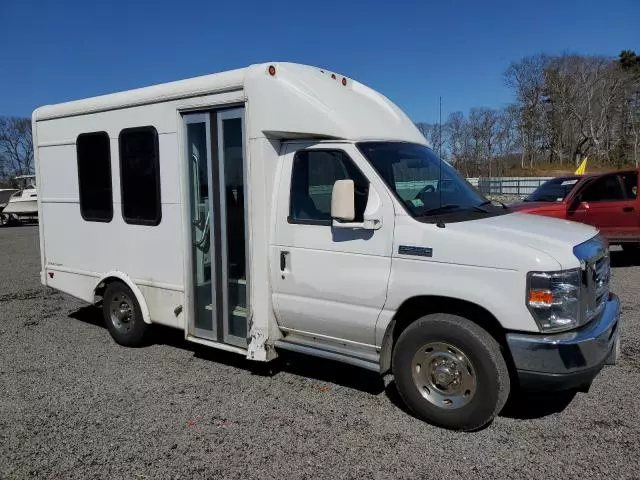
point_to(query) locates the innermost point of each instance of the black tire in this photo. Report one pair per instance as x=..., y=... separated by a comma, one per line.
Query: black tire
x=122, y=315
x=482, y=367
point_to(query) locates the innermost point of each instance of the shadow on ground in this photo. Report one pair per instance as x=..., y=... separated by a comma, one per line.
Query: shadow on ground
x=297, y=364
x=524, y=405
x=521, y=405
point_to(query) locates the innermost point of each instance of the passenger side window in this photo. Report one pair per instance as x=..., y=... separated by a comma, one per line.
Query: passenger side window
x=314, y=173
x=140, y=176
x=603, y=189
x=630, y=183
x=94, y=176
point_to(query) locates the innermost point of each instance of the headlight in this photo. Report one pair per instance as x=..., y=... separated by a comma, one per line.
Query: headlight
x=553, y=298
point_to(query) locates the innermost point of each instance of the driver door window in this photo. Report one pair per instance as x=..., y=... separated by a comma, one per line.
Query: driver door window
x=314, y=173
x=605, y=189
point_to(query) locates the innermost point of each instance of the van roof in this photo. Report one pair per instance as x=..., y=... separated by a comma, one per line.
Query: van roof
x=284, y=100
x=191, y=87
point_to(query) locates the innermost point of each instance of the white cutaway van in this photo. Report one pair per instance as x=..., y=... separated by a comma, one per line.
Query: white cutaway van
x=283, y=206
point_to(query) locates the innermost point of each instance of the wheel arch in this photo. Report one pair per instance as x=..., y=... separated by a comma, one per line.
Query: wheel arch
x=415, y=307
x=117, y=276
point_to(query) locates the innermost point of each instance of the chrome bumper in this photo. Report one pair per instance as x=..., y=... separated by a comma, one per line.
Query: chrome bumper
x=568, y=359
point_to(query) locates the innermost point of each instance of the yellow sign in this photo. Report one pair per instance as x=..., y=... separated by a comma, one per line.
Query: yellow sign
x=581, y=170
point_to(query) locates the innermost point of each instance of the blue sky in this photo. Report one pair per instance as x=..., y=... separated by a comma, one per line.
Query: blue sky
x=412, y=51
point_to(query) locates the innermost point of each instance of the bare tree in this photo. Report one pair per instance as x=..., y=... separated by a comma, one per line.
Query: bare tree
x=527, y=78
x=432, y=133
x=455, y=133
x=630, y=129
x=16, y=146
x=507, y=138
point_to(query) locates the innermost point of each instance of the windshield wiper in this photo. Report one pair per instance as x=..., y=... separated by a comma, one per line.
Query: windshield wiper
x=451, y=206
x=442, y=208
x=491, y=202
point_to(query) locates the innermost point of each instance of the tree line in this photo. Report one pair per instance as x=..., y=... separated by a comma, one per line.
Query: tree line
x=566, y=107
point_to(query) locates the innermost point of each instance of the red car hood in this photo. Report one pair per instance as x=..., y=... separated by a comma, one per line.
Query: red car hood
x=537, y=207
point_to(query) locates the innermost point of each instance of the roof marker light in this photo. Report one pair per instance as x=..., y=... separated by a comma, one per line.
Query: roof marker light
x=272, y=70
x=333, y=75
x=344, y=81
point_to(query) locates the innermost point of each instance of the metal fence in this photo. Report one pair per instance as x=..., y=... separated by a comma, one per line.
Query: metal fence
x=494, y=186
x=512, y=186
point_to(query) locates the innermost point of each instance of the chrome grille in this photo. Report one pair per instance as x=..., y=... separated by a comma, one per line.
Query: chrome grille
x=596, y=272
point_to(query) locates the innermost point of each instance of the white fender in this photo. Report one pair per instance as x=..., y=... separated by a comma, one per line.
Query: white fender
x=134, y=288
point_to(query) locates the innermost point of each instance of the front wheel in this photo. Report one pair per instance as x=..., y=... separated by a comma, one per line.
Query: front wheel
x=450, y=372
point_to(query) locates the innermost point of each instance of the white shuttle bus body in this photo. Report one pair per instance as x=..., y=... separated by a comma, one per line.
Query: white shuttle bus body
x=283, y=206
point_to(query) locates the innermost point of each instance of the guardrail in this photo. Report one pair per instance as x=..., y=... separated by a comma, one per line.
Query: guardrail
x=508, y=186
x=516, y=186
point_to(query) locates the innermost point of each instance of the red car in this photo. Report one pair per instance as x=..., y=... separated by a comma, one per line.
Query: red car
x=608, y=201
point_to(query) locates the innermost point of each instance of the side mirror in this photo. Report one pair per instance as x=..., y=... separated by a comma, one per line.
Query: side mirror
x=575, y=202
x=343, y=201
x=343, y=208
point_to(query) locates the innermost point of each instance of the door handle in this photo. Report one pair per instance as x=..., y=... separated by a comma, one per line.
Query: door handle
x=283, y=260
x=628, y=209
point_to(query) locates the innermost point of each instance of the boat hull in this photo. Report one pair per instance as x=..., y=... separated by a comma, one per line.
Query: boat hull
x=22, y=207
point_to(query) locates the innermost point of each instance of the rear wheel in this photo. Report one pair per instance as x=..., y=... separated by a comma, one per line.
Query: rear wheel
x=122, y=315
x=450, y=372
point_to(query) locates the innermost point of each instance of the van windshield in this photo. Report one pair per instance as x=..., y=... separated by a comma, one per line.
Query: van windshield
x=425, y=184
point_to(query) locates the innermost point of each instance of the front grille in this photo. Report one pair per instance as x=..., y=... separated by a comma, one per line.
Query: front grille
x=596, y=272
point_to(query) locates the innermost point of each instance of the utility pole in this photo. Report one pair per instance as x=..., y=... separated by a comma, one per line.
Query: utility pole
x=440, y=130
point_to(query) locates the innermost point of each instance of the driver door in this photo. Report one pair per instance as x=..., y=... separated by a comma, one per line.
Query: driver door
x=329, y=283
x=605, y=205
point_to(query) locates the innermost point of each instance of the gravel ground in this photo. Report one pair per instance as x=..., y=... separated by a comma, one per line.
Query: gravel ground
x=73, y=404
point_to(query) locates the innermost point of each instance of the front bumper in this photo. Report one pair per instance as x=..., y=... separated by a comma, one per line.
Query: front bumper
x=568, y=359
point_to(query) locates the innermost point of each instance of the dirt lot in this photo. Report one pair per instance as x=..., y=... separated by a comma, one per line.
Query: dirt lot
x=73, y=404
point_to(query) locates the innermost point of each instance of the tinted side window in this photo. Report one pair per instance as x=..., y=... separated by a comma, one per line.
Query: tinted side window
x=314, y=173
x=630, y=183
x=603, y=189
x=140, y=176
x=94, y=176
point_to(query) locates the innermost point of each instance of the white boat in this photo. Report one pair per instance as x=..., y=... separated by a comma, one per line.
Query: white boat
x=24, y=202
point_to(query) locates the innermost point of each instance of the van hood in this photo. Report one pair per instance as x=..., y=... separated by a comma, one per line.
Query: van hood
x=552, y=236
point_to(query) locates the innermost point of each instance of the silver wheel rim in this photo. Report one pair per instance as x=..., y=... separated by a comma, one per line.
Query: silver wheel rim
x=444, y=375
x=121, y=312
